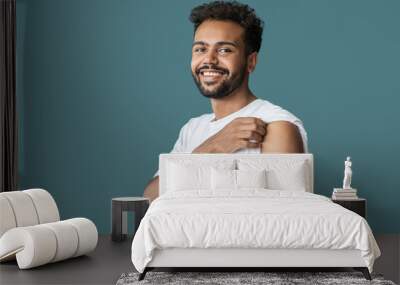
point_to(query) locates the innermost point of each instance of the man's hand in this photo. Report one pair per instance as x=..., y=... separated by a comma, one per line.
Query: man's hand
x=242, y=132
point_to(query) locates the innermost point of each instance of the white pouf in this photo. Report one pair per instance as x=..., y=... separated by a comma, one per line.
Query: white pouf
x=31, y=232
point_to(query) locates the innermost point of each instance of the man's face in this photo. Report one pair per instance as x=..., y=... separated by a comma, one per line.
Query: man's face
x=218, y=58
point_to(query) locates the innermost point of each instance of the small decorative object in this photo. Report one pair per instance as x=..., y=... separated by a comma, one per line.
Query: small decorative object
x=346, y=193
x=347, y=173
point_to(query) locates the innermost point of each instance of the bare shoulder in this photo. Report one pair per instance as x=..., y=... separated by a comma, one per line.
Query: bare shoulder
x=282, y=137
x=283, y=128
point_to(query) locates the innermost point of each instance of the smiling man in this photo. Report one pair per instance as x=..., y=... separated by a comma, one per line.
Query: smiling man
x=227, y=39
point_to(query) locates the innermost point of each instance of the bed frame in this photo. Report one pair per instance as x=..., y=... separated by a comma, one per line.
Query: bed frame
x=241, y=259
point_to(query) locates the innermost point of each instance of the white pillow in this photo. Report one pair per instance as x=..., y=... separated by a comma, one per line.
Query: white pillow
x=223, y=179
x=281, y=174
x=189, y=175
x=251, y=178
x=236, y=179
x=291, y=179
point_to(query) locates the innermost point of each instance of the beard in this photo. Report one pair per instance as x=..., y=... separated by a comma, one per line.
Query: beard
x=224, y=87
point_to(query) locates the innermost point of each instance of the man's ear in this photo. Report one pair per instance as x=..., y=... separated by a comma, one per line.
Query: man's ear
x=252, y=62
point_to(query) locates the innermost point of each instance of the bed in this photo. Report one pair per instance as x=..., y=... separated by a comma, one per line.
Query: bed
x=247, y=210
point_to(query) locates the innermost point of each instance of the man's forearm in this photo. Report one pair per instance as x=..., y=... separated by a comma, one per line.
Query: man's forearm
x=152, y=189
x=205, y=148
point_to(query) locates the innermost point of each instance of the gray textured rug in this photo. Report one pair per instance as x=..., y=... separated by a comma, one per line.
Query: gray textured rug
x=231, y=278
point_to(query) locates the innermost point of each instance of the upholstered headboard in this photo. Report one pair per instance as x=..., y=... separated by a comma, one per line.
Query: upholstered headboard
x=280, y=162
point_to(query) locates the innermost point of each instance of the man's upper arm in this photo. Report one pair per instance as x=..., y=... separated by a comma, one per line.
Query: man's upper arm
x=282, y=137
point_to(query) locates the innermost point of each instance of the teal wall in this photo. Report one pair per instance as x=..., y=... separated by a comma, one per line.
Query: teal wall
x=104, y=86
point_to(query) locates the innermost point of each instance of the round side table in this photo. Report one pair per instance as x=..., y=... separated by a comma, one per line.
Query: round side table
x=120, y=206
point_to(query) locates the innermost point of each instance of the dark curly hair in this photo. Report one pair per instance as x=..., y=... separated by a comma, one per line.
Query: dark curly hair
x=233, y=11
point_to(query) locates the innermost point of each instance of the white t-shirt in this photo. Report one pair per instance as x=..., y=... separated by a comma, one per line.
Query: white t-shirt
x=199, y=129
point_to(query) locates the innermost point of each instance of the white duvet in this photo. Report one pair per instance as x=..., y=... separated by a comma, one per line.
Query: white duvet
x=250, y=219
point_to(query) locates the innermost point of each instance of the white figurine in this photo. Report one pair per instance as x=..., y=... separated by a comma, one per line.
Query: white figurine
x=347, y=174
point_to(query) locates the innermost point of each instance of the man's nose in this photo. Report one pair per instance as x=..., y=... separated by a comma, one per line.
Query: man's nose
x=211, y=57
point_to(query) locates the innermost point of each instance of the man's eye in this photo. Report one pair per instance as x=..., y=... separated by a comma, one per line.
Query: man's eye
x=224, y=50
x=199, y=49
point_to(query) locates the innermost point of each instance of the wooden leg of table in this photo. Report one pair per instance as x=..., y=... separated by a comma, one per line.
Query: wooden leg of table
x=116, y=234
x=124, y=224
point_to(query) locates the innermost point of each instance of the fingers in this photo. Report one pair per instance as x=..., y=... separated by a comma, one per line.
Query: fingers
x=251, y=123
x=242, y=132
x=260, y=129
x=249, y=144
x=256, y=126
x=253, y=145
x=251, y=136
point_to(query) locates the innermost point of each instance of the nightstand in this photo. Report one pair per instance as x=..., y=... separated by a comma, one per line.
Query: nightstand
x=358, y=206
x=120, y=206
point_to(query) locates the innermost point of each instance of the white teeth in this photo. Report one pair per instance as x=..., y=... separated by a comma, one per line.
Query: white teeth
x=208, y=73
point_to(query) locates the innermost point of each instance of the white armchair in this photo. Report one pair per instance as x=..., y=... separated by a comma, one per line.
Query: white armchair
x=31, y=230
